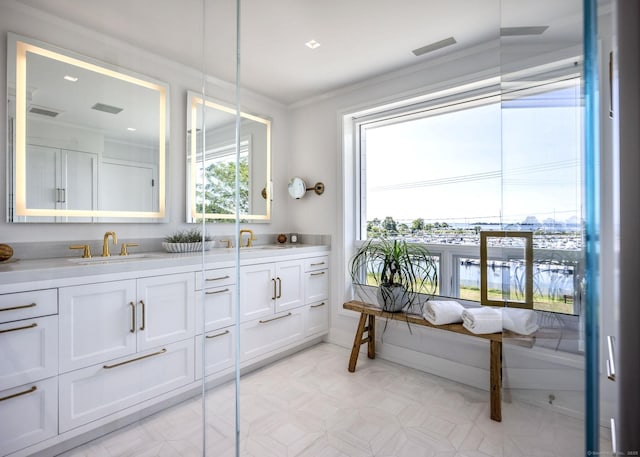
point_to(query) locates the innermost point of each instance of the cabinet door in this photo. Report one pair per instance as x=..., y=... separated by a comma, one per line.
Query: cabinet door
x=257, y=291
x=166, y=309
x=289, y=278
x=96, y=322
x=28, y=414
x=316, y=286
x=215, y=308
x=29, y=351
x=99, y=390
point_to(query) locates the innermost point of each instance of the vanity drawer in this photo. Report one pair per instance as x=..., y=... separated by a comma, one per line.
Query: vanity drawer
x=93, y=392
x=29, y=351
x=270, y=333
x=215, y=278
x=316, y=320
x=28, y=414
x=316, y=263
x=25, y=305
x=215, y=308
x=316, y=286
x=219, y=351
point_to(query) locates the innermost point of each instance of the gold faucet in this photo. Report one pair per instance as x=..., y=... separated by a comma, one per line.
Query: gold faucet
x=251, y=238
x=105, y=244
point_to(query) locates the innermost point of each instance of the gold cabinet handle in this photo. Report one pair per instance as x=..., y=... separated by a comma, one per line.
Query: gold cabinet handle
x=317, y=264
x=144, y=317
x=275, y=318
x=216, y=336
x=220, y=278
x=19, y=328
x=318, y=274
x=28, y=391
x=213, y=292
x=318, y=305
x=133, y=317
x=273, y=297
x=279, y=287
x=108, y=367
x=30, y=305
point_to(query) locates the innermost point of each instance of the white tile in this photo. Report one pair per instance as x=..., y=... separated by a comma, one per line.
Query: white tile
x=309, y=405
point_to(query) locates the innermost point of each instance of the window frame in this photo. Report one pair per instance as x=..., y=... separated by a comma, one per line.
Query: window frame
x=484, y=91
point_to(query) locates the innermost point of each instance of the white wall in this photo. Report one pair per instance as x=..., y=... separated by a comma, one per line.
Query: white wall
x=34, y=24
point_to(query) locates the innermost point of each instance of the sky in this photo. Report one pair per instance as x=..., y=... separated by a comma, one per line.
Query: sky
x=487, y=163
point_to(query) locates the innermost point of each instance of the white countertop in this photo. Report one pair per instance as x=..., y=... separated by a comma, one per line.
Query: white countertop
x=59, y=271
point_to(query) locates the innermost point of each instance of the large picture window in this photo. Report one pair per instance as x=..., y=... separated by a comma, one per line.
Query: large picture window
x=441, y=174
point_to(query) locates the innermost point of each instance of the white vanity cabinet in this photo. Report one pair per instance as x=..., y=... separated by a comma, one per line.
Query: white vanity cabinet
x=104, y=321
x=270, y=287
x=292, y=310
x=123, y=342
x=82, y=351
x=215, y=319
x=28, y=368
x=316, y=292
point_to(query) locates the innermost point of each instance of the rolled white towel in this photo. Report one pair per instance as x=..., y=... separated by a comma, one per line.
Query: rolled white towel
x=482, y=320
x=522, y=321
x=440, y=312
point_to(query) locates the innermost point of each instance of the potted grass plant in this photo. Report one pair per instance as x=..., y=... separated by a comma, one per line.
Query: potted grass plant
x=187, y=241
x=405, y=274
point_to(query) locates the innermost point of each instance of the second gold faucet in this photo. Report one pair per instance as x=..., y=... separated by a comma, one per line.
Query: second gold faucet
x=105, y=243
x=251, y=238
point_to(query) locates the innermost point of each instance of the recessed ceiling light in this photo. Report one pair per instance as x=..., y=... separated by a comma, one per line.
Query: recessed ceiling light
x=70, y=78
x=131, y=129
x=313, y=44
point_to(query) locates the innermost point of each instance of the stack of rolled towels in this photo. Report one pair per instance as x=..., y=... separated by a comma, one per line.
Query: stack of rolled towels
x=483, y=319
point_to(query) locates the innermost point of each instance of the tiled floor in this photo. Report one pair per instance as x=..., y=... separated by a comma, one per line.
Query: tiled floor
x=309, y=405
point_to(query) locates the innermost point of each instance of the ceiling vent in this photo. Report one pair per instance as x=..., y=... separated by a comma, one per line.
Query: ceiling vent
x=106, y=108
x=523, y=31
x=434, y=46
x=48, y=112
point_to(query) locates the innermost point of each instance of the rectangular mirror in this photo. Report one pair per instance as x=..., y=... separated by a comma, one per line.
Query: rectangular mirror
x=86, y=141
x=211, y=174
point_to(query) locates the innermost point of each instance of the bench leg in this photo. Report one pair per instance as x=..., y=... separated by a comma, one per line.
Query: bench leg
x=357, y=342
x=495, y=381
x=371, y=333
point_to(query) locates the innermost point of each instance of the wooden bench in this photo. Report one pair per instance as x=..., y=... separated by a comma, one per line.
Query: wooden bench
x=369, y=312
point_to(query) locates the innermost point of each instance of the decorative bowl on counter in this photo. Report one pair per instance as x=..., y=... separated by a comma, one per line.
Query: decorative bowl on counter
x=187, y=247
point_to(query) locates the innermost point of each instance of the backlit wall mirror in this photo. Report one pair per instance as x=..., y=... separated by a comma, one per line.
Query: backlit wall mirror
x=86, y=140
x=211, y=162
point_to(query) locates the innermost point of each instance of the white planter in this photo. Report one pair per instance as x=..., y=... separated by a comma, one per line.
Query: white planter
x=187, y=247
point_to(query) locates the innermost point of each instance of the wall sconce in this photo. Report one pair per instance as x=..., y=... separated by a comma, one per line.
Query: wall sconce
x=298, y=188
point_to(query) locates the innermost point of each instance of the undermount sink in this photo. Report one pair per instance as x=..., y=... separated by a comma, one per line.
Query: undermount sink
x=264, y=246
x=106, y=260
